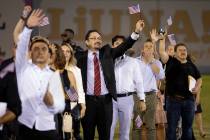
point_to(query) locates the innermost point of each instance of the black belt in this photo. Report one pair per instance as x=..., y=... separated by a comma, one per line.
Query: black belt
x=97, y=97
x=178, y=98
x=150, y=92
x=125, y=94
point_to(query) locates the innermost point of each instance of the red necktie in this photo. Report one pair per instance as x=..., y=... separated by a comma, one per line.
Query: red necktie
x=97, y=77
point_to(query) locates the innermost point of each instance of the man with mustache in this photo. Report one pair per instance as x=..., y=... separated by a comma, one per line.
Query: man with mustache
x=97, y=68
x=180, y=100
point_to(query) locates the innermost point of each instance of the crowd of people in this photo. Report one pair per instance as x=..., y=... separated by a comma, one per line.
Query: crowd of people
x=43, y=82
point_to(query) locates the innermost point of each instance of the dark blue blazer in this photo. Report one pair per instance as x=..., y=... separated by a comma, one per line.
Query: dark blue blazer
x=107, y=55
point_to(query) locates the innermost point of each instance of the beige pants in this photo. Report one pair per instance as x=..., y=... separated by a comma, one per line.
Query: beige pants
x=148, y=118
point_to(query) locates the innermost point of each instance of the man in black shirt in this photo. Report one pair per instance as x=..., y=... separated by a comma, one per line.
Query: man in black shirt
x=180, y=101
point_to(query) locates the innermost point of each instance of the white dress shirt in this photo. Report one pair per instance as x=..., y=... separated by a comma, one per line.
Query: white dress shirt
x=90, y=75
x=128, y=76
x=150, y=78
x=90, y=71
x=32, y=85
x=78, y=77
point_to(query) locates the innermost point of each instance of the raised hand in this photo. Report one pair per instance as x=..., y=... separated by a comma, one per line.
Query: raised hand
x=35, y=18
x=139, y=26
x=154, y=35
x=163, y=36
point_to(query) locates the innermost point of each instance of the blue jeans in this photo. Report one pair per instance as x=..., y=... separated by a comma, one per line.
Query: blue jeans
x=180, y=108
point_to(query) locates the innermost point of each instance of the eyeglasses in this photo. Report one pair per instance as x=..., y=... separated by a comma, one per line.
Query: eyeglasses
x=94, y=38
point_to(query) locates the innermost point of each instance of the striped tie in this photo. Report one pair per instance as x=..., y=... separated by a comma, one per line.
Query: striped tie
x=97, y=78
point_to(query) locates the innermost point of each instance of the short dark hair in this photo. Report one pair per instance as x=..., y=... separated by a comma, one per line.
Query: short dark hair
x=148, y=40
x=178, y=45
x=39, y=39
x=69, y=30
x=115, y=38
x=89, y=32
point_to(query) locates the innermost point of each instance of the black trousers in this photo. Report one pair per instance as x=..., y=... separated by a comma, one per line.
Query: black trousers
x=10, y=131
x=33, y=134
x=76, y=128
x=3, y=136
x=98, y=113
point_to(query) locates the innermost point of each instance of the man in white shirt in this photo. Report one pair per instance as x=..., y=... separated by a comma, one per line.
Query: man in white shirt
x=129, y=81
x=152, y=71
x=34, y=78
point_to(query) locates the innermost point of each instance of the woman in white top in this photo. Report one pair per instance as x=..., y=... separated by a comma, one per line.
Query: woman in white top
x=71, y=66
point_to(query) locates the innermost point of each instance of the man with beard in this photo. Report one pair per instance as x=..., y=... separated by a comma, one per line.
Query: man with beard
x=180, y=102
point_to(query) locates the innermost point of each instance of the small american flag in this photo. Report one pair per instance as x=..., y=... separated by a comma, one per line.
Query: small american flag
x=169, y=21
x=172, y=39
x=45, y=21
x=134, y=9
x=72, y=94
x=138, y=121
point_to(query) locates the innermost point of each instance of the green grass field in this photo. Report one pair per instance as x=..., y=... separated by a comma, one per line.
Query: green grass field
x=205, y=101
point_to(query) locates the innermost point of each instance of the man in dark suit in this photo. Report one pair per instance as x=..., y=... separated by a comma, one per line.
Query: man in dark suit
x=97, y=68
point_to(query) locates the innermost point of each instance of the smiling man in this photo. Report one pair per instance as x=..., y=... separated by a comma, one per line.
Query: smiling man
x=180, y=101
x=97, y=67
